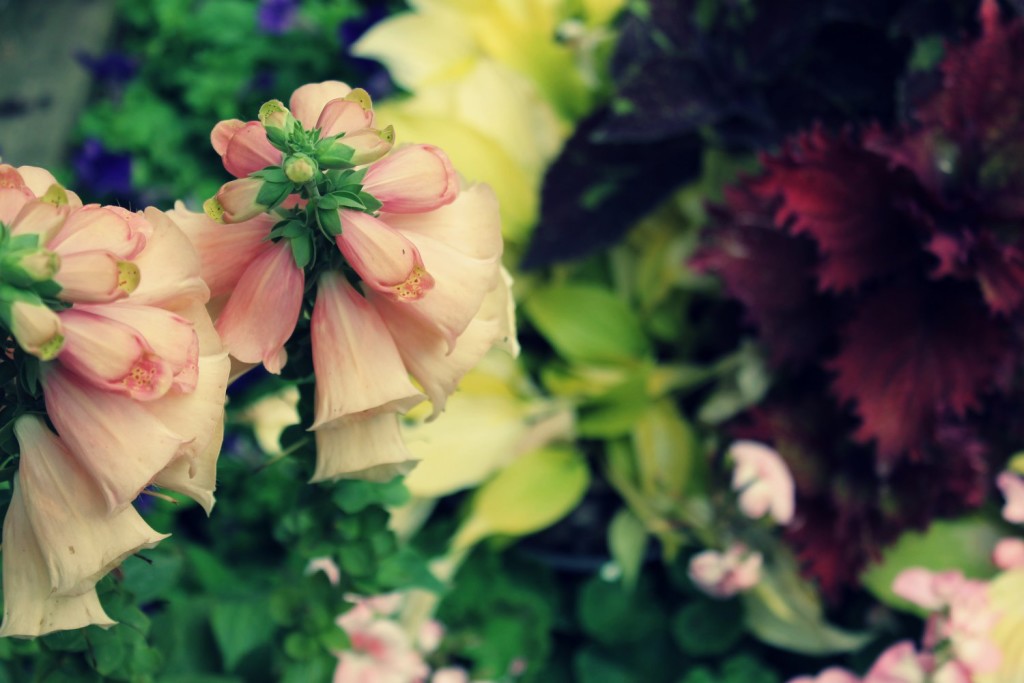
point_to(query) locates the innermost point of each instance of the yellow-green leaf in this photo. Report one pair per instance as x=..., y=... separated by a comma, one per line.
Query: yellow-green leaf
x=531, y=494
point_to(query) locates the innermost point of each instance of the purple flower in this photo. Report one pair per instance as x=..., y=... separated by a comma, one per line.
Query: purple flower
x=105, y=173
x=277, y=16
x=112, y=69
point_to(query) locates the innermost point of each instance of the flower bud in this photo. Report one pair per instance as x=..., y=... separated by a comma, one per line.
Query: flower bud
x=236, y=201
x=278, y=123
x=357, y=148
x=299, y=168
x=34, y=326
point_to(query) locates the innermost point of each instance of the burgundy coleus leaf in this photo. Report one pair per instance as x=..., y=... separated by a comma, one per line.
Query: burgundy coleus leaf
x=915, y=353
x=770, y=273
x=847, y=200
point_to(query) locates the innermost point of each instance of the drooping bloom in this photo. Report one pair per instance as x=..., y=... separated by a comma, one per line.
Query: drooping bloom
x=429, y=297
x=135, y=361
x=723, y=575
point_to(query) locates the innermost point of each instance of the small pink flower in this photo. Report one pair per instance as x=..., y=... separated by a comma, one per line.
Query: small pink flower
x=381, y=652
x=262, y=312
x=1009, y=554
x=901, y=663
x=343, y=116
x=763, y=482
x=326, y=565
x=832, y=674
x=1012, y=486
x=723, y=575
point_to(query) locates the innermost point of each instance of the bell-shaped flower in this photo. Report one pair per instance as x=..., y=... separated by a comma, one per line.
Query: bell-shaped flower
x=344, y=115
x=366, y=446
x=96, y=277
x=79, y=540
x=425, y=350
x=104, y=430
x=414, y=179
x=357, y=366
x=31, y=608
x=359, y=147
x=723, y=575
x=384, y=258
x=307, y=103
x=200, y=415
x=113, y=356
x=262, y=312
x=102, y=228
x=461, y=246
x=1012, y=486
x=243, y=147
x=762, y=481
x=236, y=201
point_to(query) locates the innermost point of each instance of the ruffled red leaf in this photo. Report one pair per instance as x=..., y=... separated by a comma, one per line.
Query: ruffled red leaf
x=845, y=199
x=915, y=352
x=770, y=273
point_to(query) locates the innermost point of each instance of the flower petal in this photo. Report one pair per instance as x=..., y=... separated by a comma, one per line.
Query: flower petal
x=363, y=447
x=309, y=101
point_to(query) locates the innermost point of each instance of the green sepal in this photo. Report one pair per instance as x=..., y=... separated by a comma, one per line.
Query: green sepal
x=271, y=174
x=350, y=200
x=302, y=249
x=328, y=202
x=27, y=241
x=289, y=229
x=330, y=221
x=370, y=203
x=278, y=138
x=273, y=193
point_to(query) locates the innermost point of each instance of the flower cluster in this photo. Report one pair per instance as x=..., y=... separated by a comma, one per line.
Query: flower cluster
x=107, y=312
x=388, y=259
x=764, y=488
x=883, y=268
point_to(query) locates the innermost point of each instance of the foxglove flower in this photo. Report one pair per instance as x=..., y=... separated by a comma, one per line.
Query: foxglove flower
x=384, y=258
x=134, y=360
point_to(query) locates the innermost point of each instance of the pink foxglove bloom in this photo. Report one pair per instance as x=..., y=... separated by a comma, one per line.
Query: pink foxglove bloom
x=723, y=575
x=138, y=363
x=762, y=481
x=430, y=297
x=833, y=674
x=261, y=313
x=1012, y=486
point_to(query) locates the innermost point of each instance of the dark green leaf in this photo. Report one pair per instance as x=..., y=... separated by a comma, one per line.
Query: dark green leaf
x=240, y=626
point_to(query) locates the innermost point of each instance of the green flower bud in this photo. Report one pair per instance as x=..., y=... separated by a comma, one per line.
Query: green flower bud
x=300, y=168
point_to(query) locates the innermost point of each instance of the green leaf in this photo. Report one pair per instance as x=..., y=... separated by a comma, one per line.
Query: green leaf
x=152, y=580
x=665, y=446
x=355, y=495
x=965, y=544
x=586, y=323
x=784, y=610
x=532, y=493
x=708, y=627
x=604, y=606
x=371, y=203
x=593, y=665
x=627, y=542
x=241, y=626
